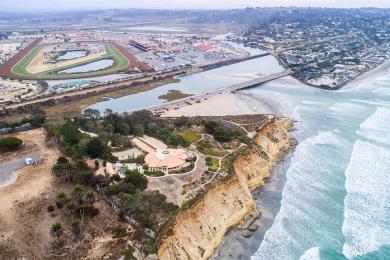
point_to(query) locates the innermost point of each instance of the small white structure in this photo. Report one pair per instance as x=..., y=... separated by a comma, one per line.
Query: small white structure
x=29, y=161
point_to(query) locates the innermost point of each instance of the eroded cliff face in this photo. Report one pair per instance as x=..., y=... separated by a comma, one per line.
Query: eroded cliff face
x=199, y=230
x=270, y=143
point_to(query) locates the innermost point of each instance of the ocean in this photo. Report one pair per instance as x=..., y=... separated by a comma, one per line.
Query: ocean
x=335, y=202
x=336, y=199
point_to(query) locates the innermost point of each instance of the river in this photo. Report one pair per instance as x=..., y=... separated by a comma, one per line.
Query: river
x=335, y=201
x=195, y=83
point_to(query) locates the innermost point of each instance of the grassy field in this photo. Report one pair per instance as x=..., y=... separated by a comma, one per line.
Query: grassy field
x=120, y=63
x=174, y=95
x=212, y=163
x=190, y=137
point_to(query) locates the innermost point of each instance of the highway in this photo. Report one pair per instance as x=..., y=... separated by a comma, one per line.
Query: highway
x=258, y=81
x=231, y=88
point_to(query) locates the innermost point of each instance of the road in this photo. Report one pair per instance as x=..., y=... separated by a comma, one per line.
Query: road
x=232, y=88
x=8, y=169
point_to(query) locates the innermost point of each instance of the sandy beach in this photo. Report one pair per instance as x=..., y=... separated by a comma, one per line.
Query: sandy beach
x=268, y=198
x=243, y=102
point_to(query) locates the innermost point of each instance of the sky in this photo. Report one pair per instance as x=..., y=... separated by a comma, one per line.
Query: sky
x=46, y=5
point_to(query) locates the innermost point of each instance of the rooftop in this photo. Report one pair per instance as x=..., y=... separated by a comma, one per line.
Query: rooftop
x=170, y=158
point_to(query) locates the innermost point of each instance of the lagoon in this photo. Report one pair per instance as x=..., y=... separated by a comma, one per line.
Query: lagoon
x=89, y=67
x=70, y=55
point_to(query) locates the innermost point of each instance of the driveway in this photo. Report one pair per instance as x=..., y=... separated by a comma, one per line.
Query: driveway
x=8, y=169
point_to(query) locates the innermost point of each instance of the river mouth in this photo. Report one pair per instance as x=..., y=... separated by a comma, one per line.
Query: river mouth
x=202, y=82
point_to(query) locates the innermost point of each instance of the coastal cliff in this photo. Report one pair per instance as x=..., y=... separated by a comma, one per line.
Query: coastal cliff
x=199, y=230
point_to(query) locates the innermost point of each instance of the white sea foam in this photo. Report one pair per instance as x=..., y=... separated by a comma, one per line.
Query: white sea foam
x=376, y=127
x=366, y=224
x=311, y=254
x=344, y=110
x=309, y=102
x=306, y=201
x=382, y=91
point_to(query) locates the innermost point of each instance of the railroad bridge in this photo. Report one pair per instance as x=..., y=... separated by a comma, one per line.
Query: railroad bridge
x=258, y=81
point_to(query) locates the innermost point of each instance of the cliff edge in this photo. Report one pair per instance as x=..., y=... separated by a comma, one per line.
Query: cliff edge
x=199, y=230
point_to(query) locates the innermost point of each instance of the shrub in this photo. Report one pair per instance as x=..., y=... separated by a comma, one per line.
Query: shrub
x=139, y=181
x=76, y=226
x=128, y=254
x=116, y=177
x=56, y=229
x=61, y=199
x=95, y=148
x=212, y=163
x=62, y=160
x=8, y=144
x=70, y=133
x=50, y=208
x=119, y=232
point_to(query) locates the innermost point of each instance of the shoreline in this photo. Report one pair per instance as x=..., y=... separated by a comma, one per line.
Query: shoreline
x=267, y=201
x=217, y=212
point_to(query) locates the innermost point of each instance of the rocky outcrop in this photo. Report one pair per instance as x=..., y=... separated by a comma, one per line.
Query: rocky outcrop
x=199, y=230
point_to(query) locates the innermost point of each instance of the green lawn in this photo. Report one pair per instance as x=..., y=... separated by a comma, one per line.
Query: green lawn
x=212, y=163
x=121, y=62
x=190, y=137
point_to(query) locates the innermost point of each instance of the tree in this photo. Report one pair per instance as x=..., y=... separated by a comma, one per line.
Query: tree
x=182, y=122
x=108, y=111
x=134, y=177
x=138, y=130
x=109, y=128
x=37, y=116
x=78, y=193
x=62, y=160
x=90, y=198
x=70, y=133
x=116, y=177
x=56, y=229
x=76, y=226
x=140, y=159
x=218, y=131
x=95, y=148
x=71, y=207
x=97, y=164
x=61, y=198
x=124, y=129
x=89, y=112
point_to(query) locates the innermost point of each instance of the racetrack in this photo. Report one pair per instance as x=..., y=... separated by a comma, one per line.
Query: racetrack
x=123, y=61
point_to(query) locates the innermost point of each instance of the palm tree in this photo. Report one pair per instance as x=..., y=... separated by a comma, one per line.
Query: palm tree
x=90, y=198
x=78, y=193
x=71, y=207
x=56, y=229
x=62, y=198
x=76, y=226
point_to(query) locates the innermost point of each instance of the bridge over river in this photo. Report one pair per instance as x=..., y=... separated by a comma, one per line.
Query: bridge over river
x=258, y=81
x=231, y=88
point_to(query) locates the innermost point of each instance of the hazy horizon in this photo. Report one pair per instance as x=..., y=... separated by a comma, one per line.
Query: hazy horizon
x=64, y=5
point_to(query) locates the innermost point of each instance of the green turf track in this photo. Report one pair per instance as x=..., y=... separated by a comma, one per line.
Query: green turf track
x=120, y=63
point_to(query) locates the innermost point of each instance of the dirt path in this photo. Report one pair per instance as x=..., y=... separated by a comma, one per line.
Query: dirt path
x=23, y=231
